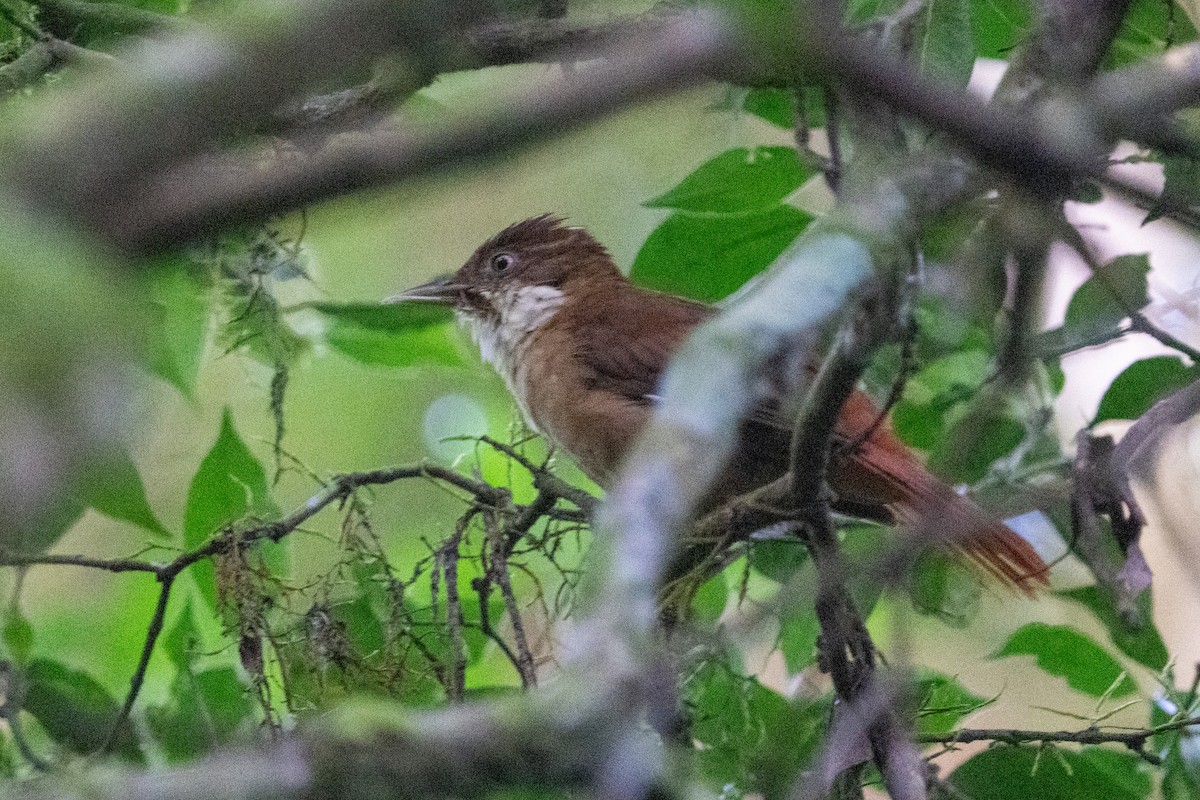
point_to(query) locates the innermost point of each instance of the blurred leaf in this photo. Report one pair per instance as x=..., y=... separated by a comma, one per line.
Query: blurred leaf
x=1181, y=747
x=774, y=105
x=863, y=544
x=752, y=738
x=1141, y=385
x=206, y=709
x=1144, y=646
x=392, y=334
x=999, y=25
x=75, y=710
x=1067, y=653
x=778, y=559
x=1148, y=29
x=985, y=433
x=182, y=322
x=710, y=600
x=944, y=588
x=18, y=634
x=923, y=413
x=798, y=634
x=181, y=640
x=943, y=43
x=1181, y=186
x=737, y=181
x=116, y=491
x=386, y=317
x=1022, y=773
x=229, y=485
x=944, y=703
x=1087, y=192
x=1093, y=307
x=707, y=258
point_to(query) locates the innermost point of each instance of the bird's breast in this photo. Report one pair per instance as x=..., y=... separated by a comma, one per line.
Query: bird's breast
x=505, y=337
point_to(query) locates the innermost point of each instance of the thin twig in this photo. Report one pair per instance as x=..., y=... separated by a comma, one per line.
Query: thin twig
x=139, y=674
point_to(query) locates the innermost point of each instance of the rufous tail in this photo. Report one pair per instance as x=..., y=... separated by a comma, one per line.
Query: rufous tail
x=883, y=470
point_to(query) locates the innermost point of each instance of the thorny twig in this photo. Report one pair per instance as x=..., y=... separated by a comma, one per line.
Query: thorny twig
x=1135, y=740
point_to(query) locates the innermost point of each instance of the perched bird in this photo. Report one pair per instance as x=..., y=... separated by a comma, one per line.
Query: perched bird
x=582, y=349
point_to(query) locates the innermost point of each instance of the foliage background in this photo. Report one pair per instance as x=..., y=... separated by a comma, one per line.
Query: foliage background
x=344, y=415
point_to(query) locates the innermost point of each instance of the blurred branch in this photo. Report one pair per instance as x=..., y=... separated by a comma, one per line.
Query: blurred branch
x=215, y=192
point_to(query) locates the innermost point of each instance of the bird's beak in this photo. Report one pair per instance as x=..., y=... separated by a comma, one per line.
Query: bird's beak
x=439, y=290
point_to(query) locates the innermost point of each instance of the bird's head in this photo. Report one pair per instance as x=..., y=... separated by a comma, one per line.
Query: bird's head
x=527, y=268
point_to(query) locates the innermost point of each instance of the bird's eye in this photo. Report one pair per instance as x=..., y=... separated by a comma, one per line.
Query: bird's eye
x=502, y=261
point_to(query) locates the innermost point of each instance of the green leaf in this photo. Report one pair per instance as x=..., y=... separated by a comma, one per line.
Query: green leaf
x=738, y=181
x=985, y=433
x=392, y=334
x=1148, y=29
x=774, y=105
x=999, y=25
x=182, y=320
x=778, y=559
x=798, y=636
x=1093, y=307
x=751, y=737
x=75, y=710
x=206, y=709
x=710, y=599
x=1067, y=653
x=116, y=490
x=707, y=258
x=18, y=634
x=182, y=639
x=1181, y=187
x=944, y=703
x=943, y=43
x=229, y=485
x=1022, y=773
x=943, y=588
x=1144, y=645
x=1141, y=385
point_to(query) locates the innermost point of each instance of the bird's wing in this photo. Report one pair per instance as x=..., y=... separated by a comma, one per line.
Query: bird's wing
x=628, y=344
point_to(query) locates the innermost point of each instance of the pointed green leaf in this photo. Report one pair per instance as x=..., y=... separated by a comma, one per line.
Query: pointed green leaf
x=116, y=491
x=1144, y=645
x=229, y=485
x=75, y=710
x=1023, y=773
x=708, y=258
x=181, y=302
x=738, y=181
x=1094, y=308
x=1142, y=384
x=1067, y=653
x=944, y=703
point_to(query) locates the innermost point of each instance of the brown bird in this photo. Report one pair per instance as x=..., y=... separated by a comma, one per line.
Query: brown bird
x=582, y=349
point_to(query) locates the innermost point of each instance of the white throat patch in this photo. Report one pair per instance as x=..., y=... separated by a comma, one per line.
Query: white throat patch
x=522, y=311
